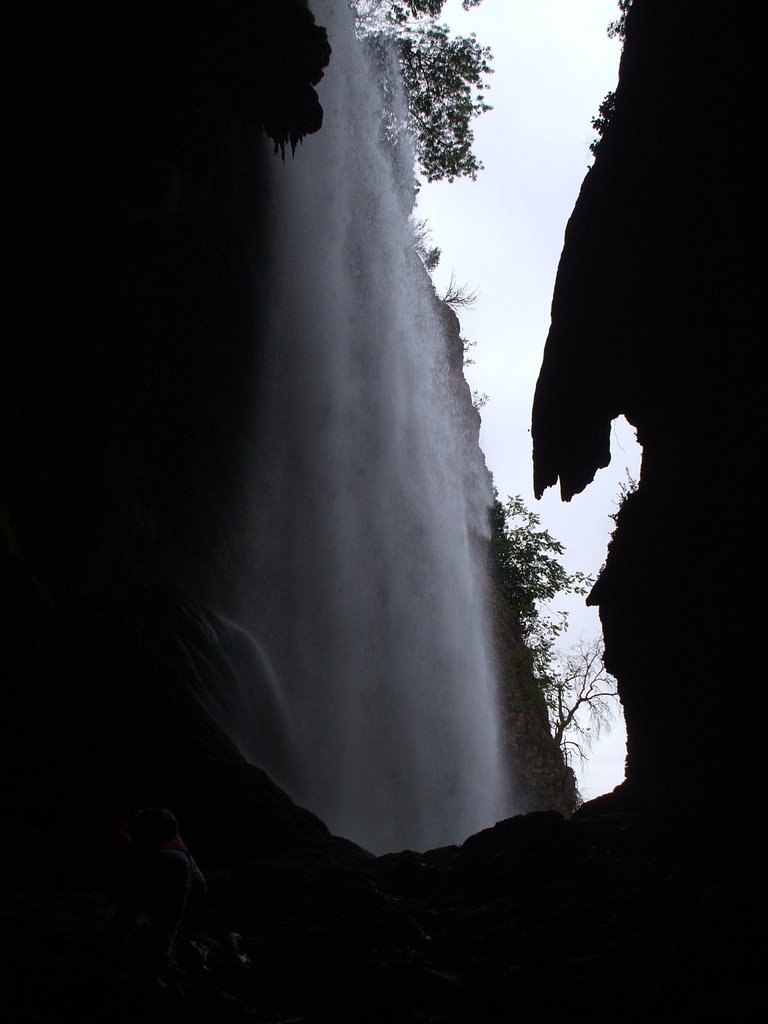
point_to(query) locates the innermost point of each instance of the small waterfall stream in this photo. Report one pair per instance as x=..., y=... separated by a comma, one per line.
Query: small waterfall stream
x=368, y=594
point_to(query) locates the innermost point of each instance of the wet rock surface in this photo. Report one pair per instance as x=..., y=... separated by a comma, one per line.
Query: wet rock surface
x=614, y=912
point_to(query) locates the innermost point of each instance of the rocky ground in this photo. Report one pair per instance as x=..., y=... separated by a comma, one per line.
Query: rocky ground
x=614, y=914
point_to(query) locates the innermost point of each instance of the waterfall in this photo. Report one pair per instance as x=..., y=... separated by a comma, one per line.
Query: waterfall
x=367, y=591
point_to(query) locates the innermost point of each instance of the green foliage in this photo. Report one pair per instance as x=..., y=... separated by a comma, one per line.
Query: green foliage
x=601, y=121
x=526, y=568
x=616, y=30
x=443, y=76
x=580, y=696
x=400, y=12
x=626, y=487
x=422, y=237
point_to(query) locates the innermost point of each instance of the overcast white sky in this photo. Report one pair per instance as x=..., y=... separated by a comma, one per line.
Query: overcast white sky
x=503, y=235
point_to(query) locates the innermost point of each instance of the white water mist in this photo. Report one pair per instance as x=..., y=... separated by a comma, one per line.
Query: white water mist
x=367, y=512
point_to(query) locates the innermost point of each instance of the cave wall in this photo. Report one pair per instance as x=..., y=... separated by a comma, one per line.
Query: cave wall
x=135, y=208
x=654, y=316
x=136, y=171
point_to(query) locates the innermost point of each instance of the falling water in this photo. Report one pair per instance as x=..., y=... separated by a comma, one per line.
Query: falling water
x=369, y=596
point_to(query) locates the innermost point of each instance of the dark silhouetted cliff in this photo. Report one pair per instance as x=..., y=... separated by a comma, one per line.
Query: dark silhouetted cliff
x=655, y=316
x=136, y=207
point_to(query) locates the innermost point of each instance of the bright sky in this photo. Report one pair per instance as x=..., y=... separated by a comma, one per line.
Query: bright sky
x=503, y=235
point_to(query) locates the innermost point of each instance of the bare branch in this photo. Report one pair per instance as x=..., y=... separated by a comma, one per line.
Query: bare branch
x=582, y=697
x=459, y=295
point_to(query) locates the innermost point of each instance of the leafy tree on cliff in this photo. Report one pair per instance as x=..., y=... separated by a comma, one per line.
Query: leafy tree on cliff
x=579, y=694
x=526, y=569
x=443, y=78
x=422, y=238
x=616, y=30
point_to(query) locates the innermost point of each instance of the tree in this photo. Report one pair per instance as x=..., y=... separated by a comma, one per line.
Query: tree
x=582, y=698
x=616, y=30
x=443, y=78
x=459, y=296
x=602, y=119
x=422, y=237
x=525, y=567
x=373, y=13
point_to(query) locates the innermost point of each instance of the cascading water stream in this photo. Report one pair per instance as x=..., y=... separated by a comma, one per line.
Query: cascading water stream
x=368, y=594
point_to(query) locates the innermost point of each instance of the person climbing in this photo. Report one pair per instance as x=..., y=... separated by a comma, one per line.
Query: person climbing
x=155, y=874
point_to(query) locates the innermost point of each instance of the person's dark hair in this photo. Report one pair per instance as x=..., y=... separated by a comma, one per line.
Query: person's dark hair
x=154, y=825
